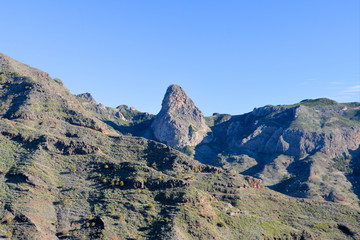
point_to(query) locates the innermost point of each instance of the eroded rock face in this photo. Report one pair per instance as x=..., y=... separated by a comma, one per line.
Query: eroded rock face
x=180, y=122
x=254, y=182
x=293, y=131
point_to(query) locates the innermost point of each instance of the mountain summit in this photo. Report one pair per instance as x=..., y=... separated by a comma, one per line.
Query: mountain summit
x=180, y=122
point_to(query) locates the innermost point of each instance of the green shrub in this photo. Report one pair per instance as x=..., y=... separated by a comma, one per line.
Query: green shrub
x=9, y=234
x=151, y=206
x=58, y=80
x=220, y=224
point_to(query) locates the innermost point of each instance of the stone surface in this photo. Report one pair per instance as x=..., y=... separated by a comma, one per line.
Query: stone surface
x=294, y=131
x=180, y=122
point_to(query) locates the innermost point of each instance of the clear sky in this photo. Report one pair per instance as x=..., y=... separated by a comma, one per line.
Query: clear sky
x=229, y=56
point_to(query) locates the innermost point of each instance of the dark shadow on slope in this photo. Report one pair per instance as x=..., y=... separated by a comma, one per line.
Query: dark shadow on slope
x=163, y=225
x=354, y=176
x=17, y=178
x=20, y=96
x=346, y=230
x=261, y=159
x=207, y=154
x=242, y=126
x=141, y=129
x=160, y=155
x=295, y=186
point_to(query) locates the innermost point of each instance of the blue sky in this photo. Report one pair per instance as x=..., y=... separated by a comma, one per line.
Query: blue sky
x=229, y=56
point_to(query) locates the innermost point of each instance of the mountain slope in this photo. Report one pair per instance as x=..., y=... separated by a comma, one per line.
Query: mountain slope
x=132, y=188
x=63, y=177
x=124, y=119
x=310, y=149
x=30, y=94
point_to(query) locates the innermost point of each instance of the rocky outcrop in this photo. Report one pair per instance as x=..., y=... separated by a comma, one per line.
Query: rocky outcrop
x=172, y=183
x=180, y=122
x=294, y=142
x=294, y=131
x=88, y=97
x=254, y=182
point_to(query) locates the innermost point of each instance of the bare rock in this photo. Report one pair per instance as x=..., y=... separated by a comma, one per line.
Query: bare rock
x=254, y=182
x=180, y=122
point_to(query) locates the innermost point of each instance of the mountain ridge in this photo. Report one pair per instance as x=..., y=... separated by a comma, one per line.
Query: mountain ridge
x=271, y=142
x=71, y=168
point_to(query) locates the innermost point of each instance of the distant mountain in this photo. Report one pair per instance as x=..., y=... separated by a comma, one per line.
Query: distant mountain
x=71, y=168
x=309, y=149
x=126, y=120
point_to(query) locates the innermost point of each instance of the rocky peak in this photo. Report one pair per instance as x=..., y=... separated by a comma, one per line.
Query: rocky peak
x=176, y=99
x=88, y=97
x=180, y=122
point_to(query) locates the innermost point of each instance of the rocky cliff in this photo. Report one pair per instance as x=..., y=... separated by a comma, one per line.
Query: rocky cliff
x=297, y=130
x=180, y=122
